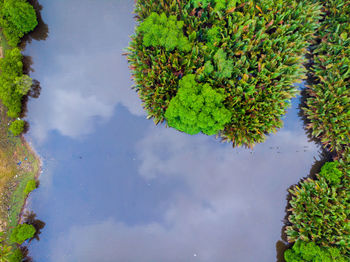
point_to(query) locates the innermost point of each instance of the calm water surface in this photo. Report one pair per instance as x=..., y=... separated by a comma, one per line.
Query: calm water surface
x=116, y=188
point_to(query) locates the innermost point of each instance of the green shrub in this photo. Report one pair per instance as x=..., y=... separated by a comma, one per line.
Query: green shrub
x=321, y=211
x=18, y=18
x=310, y=252
x=23, y=84
x=187, y=106
x=11, y=68
x=328, y=105
x=331, y=172
x=31, y=185
x=21, y=233
x=161, y=31
x=16, y=256
x=17, y=127
x=250, y=52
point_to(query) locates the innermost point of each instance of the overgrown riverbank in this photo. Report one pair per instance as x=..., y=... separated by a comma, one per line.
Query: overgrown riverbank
x=19, y=165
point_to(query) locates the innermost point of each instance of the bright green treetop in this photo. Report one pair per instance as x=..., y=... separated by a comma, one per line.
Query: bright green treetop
x=197, y=108
x=310, y=252
x=21, y=233
x=21, y=14
x=17, y=127
x=160, y=30
x=331, y=172
x=11, y=67
x=23, y=84
x=31, y=185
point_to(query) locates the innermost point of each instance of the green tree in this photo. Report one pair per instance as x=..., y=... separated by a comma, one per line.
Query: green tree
x=21, y=14
x=310, y=252
x=31, y=185
x=160, y=30
x=17, y=127
x=331, y=172
x=197, y=108
x=16, y=256
x=21, y=233
x=11, y=68
x=23, y=84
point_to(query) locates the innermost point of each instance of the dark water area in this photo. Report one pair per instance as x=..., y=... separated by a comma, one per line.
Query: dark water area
x=116, y=188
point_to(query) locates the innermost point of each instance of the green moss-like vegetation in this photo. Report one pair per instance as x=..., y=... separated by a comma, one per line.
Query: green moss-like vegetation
x=321, y=210
x=251, y=52
x=197, y=108
x=21, y=233
x=31, y=185
x=17, y=127
x=310, y=252
x=328, y=107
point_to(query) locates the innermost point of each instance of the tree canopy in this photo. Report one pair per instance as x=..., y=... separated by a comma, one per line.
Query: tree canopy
x=21, y=233
x=197, y=108
x=17, y=18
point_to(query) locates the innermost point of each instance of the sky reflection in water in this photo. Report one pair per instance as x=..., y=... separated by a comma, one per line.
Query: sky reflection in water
x=117, y=188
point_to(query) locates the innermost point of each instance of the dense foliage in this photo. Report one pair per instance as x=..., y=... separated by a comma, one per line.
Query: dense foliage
x=21, y=233
x=250, y=52
x=320, y=210
x=328, y=107
x=17, y=127
x=17, y=17
x=197, y=108
x=30, y=186
x=5, y=250
x=11, y=68
x=310, y=252
x=16, y=256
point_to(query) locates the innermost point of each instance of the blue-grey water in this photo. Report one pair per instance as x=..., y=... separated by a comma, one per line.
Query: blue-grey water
x=117, y=188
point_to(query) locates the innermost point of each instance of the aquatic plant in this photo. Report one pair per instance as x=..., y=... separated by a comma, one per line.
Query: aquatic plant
x=310, y=252
x=250, y=52
x=21, y=233
x=320, y=210
x=328, y=105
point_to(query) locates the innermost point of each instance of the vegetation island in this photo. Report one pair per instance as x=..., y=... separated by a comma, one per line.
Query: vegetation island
x=229, y=67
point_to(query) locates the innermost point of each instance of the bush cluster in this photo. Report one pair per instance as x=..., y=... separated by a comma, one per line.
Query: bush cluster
x=328, y=105
x=320, y=210
x=310, y=252
x=21, y=233
x=17, y=17
x=17, y=127
x=250, y=52
x=11, y=91
x=31, y=185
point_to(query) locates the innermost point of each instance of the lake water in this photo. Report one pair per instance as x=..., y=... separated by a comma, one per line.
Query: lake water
x=117, y=188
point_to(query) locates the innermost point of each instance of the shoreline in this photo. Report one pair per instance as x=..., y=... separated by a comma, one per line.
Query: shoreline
x=37, y=173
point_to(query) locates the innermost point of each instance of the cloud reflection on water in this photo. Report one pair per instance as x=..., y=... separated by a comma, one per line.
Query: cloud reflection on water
x=87, y=75
x=231, y=202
